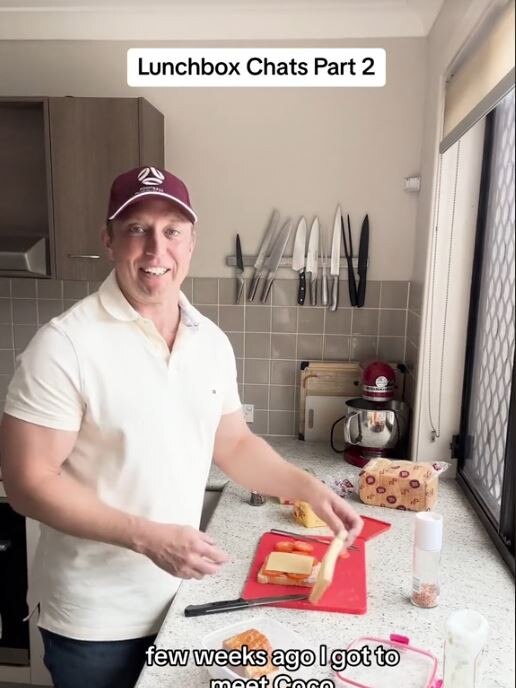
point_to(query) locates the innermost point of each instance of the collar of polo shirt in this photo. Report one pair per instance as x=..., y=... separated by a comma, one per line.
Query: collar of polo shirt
x=119, y=307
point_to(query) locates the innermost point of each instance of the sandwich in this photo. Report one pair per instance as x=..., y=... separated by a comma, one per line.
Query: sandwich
x=289, y=568
x=254, y=641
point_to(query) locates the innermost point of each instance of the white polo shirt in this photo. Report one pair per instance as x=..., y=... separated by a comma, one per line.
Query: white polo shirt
x=146, y=420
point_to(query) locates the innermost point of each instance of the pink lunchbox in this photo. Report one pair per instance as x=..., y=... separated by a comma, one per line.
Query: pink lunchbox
x=416, y=668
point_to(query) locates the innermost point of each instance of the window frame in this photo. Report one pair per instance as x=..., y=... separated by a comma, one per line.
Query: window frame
x=502, y=533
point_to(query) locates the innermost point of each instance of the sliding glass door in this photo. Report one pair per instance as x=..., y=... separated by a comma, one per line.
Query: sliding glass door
x=486, y=445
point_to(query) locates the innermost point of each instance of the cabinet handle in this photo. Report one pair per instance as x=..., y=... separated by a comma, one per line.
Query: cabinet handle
x=82, y=255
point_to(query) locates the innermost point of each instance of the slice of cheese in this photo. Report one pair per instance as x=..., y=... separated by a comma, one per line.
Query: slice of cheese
x=289, y=562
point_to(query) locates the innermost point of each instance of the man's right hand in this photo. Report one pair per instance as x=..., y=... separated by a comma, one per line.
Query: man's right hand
x=183, y=551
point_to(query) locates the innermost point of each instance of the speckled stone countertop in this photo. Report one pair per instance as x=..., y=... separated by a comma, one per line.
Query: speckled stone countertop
x=217, y=479
x=472, y=575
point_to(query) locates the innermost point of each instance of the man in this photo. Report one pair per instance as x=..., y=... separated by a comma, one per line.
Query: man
x=112, y=418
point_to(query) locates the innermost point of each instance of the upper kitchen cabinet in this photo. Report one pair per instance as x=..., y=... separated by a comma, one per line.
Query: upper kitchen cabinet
x=26, y=238
x=92, y=141
x=58, y=157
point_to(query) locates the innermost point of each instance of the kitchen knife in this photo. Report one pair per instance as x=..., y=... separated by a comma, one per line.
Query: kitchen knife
x=311, y=260
x=324, y=279
x=362, y=261
x=239, y=270
x=265, y=249
x=273, y=261
x=348, y=252
x=240, y=603
x=335, y=259
x=313, y=538
x=298, y=259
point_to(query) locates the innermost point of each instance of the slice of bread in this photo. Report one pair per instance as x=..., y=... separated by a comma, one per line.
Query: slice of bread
x=255, y=640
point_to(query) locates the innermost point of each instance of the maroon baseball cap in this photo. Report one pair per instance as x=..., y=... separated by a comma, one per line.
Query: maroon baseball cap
x=131, y=186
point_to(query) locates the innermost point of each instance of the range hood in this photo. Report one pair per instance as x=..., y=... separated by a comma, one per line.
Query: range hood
x=24, y=255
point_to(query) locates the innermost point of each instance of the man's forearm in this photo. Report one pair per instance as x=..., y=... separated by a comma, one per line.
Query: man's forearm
x=61, y=502
x=254, y=464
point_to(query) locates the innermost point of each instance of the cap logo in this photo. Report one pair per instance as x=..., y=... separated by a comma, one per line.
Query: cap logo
x=150, y=176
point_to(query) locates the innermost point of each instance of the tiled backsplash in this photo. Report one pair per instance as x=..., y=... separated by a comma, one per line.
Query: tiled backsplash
x=270, y=340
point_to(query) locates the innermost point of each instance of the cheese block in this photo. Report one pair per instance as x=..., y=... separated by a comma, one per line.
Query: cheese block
x=289, y=562
x=304, y=514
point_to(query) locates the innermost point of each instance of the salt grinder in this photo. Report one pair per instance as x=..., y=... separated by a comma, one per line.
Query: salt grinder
x=428, y=540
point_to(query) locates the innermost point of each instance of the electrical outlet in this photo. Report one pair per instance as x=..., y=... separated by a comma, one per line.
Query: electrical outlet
x=248, y=410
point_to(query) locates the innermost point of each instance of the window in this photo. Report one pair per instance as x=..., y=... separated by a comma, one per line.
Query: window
x=487, y=440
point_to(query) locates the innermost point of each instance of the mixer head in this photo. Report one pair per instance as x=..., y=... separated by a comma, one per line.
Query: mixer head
x=378, y=382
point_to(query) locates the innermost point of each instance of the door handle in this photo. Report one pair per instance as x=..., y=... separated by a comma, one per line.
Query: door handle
x=82, y=255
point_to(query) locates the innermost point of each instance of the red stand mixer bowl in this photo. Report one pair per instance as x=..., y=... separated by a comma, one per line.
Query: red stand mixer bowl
x=371, y=429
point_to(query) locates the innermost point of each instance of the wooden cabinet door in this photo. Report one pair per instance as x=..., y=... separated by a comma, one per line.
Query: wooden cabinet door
x=92, y=141
x=152, y=136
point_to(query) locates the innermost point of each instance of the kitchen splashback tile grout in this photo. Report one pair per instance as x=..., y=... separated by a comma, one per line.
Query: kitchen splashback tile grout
x=343, y=327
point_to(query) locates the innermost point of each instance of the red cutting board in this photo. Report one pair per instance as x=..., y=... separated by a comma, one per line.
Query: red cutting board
x=372, y=528
x=348, y=592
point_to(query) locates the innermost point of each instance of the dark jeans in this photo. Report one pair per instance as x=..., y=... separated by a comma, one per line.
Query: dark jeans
x=93, y=663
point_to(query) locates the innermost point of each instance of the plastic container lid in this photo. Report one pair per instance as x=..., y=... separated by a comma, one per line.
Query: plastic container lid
x=416, y=668
x=428, y=531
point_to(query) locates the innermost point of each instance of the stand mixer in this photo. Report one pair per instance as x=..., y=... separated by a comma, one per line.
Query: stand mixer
x=375, y=424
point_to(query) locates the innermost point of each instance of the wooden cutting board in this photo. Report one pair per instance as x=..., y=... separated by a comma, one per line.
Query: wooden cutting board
x=326, y=379
x=347, y=594
x=320, y=414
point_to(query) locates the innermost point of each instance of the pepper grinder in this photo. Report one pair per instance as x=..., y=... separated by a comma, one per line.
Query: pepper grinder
x=257, y=499
x=467, y=632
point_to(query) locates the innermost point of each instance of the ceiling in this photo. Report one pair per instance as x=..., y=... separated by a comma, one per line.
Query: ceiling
x=209, y=20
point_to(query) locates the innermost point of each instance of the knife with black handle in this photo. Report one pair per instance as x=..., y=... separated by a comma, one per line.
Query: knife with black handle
x=240, y=603
x=362, y=262
x=335, y=260
x=352, y=285
x=298, y=259
x=239, y=270
x=312, y=260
